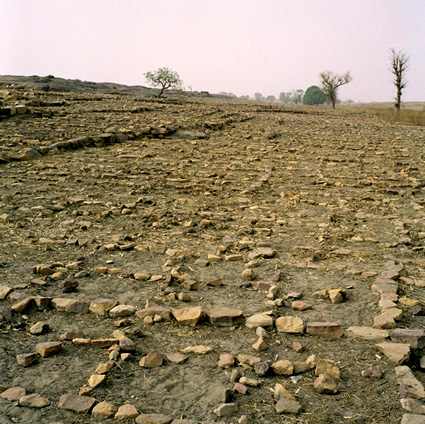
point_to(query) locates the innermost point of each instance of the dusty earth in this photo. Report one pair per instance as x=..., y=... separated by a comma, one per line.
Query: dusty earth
x=183, y=194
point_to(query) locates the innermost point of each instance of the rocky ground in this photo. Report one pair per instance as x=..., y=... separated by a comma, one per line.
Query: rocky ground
x=195, y=260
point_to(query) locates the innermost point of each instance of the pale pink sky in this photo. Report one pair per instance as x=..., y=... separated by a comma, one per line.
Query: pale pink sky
x=239, y=46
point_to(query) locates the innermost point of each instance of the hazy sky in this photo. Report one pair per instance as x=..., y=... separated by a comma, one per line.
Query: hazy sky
x=239, y=46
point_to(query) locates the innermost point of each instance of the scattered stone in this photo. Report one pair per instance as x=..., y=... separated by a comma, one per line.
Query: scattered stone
x=126, y=412
x=290, y=324
x=395, y=352
x=261, y=368
x=101, y=306
x=226, y=409
x=384, y=321
x=281, y=392
x=225, y=316
x=226, y=360
x=367, y=333
x=103, y=343
x=264, y=252
x=413, y=419
x=154, y=310
x=48, y=348
x=125, y=343
x=260, y=345
x=248, y=274
x=414, y=337
x=329, y=329
x=26, y=359
x=153, y=419
x=188, y=316
x=198, y=350
x=67, y=286
x=259, y=320
x=121, y=311
x=413, y=405
x=287, y=406
x=176, y=358
x=297, y=346
x=248, y=359
x=70, y=305
x=70, y=335
x=283, y=367
x=24, y=304
x=76, y=403
x=249, y=381
x=325, y=367
x=337, y=295
x=372, y=372
x=325, y=384
x=104, y=368
x=103, y=410
x=34, y=400
x=38, y=328
x=299, y=305
x=80, y=341
x=4, y=292
x=240, y=388
x=13, y=394
x=96, y=380
x=152, y=360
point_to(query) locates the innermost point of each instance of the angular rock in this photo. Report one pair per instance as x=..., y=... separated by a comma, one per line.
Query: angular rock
x=372, y=372
x=152, y=311
x=102, y=306
x=125, y=343
x=153, y=419
x=23, y=305
x=287, y=406
x=103, y=410
x=384, y=321
x=76, y=403
x=248, y=359
x=328, y=329
x=395, y=352
x=259, y=320
x=96, y=380
x=283, y=367
x=260, y=344
x=299, y=305
x=13, y=393
x=240, y=388
x=48, y=348
x=126, y=412
x=198, y=350
x=226, y=409
x=226, y=360
x=367, y=333
x=325, y=367
x=38, y=328
x=152, y=360
x=103, y=343
x=176, y=358
x=261, y=368
x=290, y=324
x=70, y=305
x=325, y=384
x=225, y=317
x=412, y=419
x=4, y=292
x=188, y=316
x=121, y=311
x=104, y=367
x=413, y=405
x=26, y=359
x=34, y=400
x=249, y=381
x=414, y=337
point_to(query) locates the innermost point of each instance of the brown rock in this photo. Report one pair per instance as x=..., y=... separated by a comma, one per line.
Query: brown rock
x=395, y=352
x=198, y=350
x=240, y=388
x=226, y=360
x=38, y=328
x=34, y=401
x=121, y=311
x=152, y=360
x=104, y=367
x=287, y=406
x=4, y=292
x=76, y=403
x=126, y=412
x=283, y=367
x=103, y=410
x=188, y=316
x=414, y=337
x=153, y=419
x=26, y=359
x=23, y=305
x=125, y=343
x=225, y=316
x=96, y=380
x=14, y=393
x=48, y=348
x=152, y=311
x=325, y=384
x=103, y=343
x=70, y=335
x=329, y=329
x=372, y=372
x=101, y=306
x=290, y=324
x=367, y=333
x=259, y=320
x=281, y=392
x=299, y=305
x=70, y=305
x=176, y=358
x=325, y=367
x=248, y=359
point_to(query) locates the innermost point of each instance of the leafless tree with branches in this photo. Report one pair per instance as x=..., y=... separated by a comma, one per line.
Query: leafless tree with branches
x=331, y=82
x=399, y=65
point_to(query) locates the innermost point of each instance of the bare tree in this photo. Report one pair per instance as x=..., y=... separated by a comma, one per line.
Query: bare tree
x=399, y=65
x=331, y=82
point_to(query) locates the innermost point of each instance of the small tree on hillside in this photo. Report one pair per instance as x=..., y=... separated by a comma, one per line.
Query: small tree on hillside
x=331, y=82
x=399, y=65
x=164, y=78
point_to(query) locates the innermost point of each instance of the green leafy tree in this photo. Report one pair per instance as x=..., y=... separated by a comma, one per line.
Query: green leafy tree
x=164, y=78
x=314, y=96
x=331, y=82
